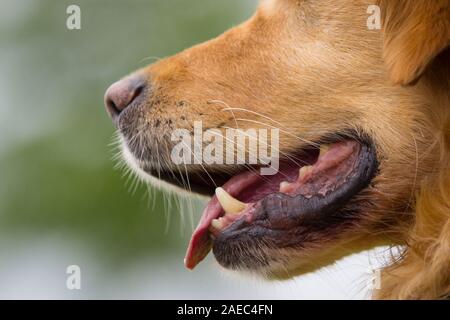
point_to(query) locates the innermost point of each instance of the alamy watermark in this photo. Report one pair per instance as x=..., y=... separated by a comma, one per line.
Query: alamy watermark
x=73, y=21
x=374, y=19
x=374, y=281
x=236, y=146
x=73, y=281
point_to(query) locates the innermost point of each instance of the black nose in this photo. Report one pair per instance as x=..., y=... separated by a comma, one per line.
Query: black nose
x=122, y=93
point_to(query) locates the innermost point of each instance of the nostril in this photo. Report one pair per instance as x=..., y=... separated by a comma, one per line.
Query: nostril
x=137, y=91
x=122, y=93
x=113, y=111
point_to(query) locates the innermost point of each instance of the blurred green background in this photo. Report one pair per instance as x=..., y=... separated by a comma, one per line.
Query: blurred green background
x=61, y=200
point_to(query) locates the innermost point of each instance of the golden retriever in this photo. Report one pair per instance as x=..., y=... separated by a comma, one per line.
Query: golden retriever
x=376, y=103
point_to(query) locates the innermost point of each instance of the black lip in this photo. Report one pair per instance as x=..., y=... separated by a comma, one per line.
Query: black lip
x=279, y=206
x=278, y=214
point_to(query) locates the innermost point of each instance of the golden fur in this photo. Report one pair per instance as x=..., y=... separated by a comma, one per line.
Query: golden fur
x=415, y=33
x=313, y=67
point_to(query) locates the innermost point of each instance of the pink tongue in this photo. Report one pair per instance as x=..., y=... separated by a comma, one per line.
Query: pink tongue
x=200, y=243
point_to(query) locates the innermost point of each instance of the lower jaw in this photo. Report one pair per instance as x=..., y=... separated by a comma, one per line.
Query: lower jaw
x=273, y=251
x=285, y=221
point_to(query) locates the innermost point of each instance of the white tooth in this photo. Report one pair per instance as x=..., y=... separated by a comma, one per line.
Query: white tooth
x=303, y=171
x=284, y=185
x=229, y=204
x=324, y=149
x=217, y=224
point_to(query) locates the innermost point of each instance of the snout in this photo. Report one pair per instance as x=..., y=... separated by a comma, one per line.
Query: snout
x=121, y=94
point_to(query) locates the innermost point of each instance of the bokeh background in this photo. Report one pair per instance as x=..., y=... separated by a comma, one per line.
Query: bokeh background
x=62, y=202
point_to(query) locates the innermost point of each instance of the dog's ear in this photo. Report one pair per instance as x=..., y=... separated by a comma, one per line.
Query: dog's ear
x=415, y=32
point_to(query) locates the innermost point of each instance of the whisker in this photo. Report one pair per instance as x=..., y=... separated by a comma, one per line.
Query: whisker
x=154, y=58
x=270, y=119
x=290, y=157
x=203, y=167
x=249, y=167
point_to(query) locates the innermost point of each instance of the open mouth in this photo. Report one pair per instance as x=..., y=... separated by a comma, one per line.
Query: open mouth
x=310, y=190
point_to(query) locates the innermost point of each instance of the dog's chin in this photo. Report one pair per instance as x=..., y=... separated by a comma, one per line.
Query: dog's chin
x=284, y=264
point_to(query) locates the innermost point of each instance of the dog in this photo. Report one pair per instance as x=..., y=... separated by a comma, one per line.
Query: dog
x=364, y=121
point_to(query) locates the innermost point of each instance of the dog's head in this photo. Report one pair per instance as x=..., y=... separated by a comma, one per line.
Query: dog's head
x=360, y=113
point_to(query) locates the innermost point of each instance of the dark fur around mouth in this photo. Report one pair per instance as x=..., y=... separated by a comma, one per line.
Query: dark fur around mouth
x=282, y=221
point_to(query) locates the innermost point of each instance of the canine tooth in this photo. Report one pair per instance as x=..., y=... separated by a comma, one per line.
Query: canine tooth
x=303, y=171
x=229, y=204
x=216, y=224
x=324, y=149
